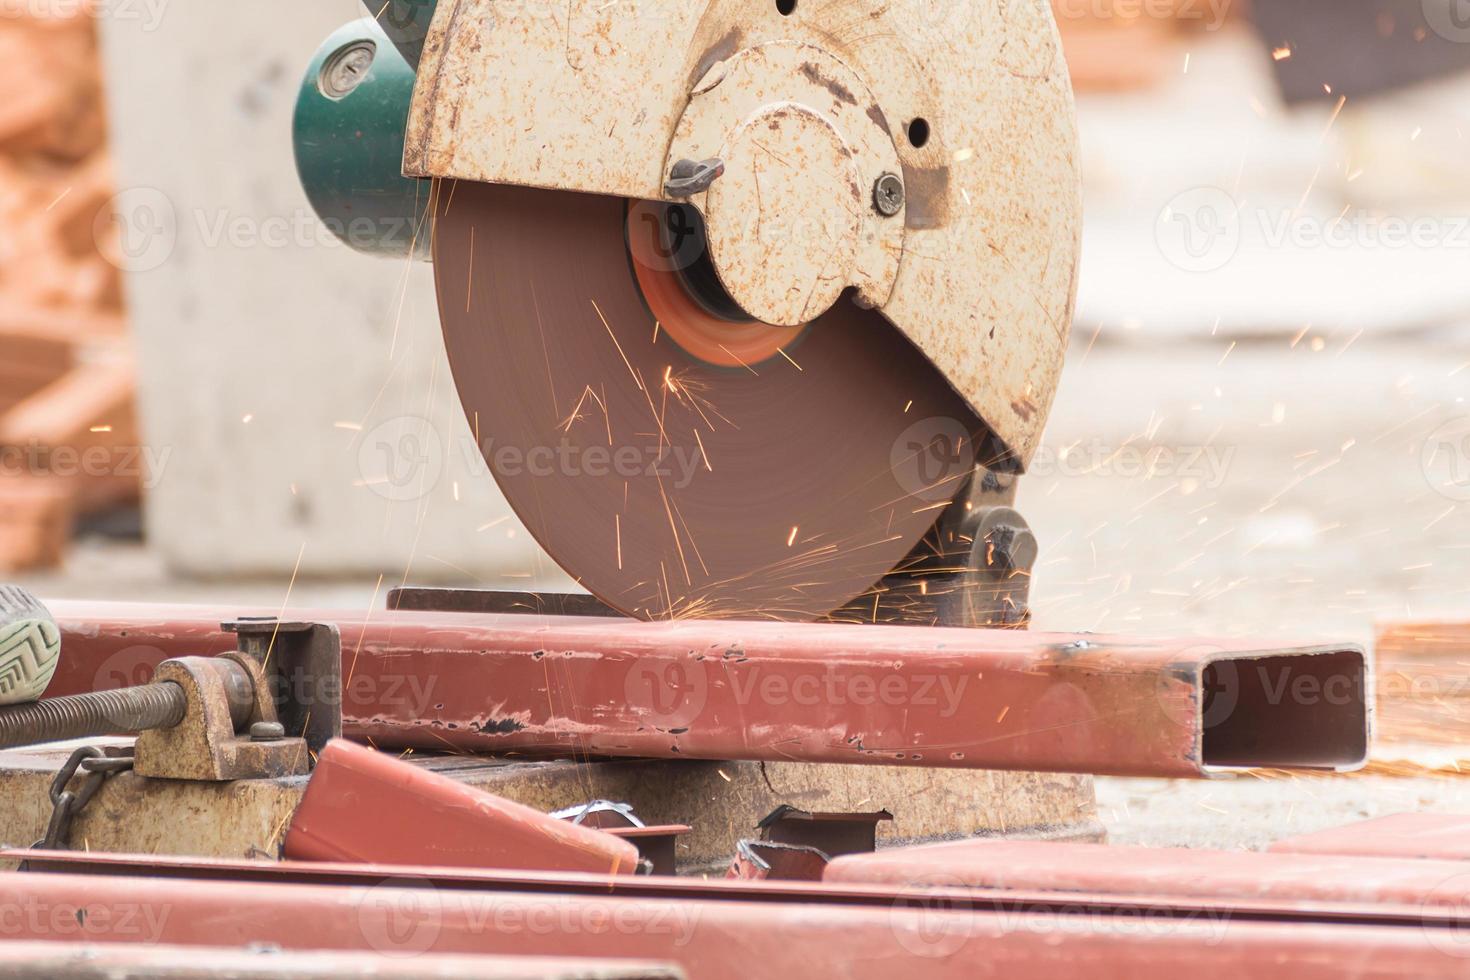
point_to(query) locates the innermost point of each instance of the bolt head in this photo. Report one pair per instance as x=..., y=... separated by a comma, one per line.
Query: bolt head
x=888, y=195
x=267, y=731
x=347, y=68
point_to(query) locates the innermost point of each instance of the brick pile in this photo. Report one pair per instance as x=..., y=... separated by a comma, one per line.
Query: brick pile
x=66, y=373
x=1127, y=45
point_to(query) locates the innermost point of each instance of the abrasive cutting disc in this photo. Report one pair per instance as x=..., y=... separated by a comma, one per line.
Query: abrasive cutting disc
x=670, y=486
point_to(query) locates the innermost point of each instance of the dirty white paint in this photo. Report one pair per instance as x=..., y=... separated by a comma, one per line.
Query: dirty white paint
x=588, y=96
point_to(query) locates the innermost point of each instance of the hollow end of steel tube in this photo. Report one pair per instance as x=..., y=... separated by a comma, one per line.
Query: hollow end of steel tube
x=1307, y=710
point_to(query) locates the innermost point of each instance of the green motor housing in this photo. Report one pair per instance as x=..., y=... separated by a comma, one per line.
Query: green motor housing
x=348, y=134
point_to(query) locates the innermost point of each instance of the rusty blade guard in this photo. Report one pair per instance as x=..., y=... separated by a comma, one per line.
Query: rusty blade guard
x=557, y=687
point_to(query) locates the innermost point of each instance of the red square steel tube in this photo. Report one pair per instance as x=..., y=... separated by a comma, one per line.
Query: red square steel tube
x=1435, y=836
x=1169, y=873
x=1417, y=896
x=362, y=805
x=111, y=961
x=987, y=699
x=857, y=938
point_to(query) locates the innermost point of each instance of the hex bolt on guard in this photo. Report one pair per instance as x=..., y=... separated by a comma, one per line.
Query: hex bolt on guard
x=690, y=177
x=888, y=195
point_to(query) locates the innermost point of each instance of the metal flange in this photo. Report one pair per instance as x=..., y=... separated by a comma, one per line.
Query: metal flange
x=790, y=222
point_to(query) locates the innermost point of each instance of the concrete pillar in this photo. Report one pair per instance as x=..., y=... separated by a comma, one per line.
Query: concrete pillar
x=295, y=395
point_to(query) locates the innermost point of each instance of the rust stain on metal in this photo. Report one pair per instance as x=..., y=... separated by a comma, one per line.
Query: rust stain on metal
x=926, y=196
x=731, y=42
x=840, y=92
x=875, y=113
x=417, y=139
x=500, y=726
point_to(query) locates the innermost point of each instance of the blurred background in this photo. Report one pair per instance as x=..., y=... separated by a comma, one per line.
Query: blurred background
x=1263, y=425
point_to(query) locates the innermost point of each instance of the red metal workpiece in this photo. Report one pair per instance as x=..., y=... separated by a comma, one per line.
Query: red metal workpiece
x=1369, y=905
x=135, y=961
x=757, y=860
x=548, y=687
x=1170, y=873
x=1444, y=836
x=853, y=933
x=362, y=805
x=832, y=834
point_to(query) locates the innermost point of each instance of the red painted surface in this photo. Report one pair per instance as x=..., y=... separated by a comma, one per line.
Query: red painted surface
x=992, y=699
x=367, y=806
x=37, y=960
x=1157, y=898
x=1300, y=879
x=1404, y=835
x=723, y=940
